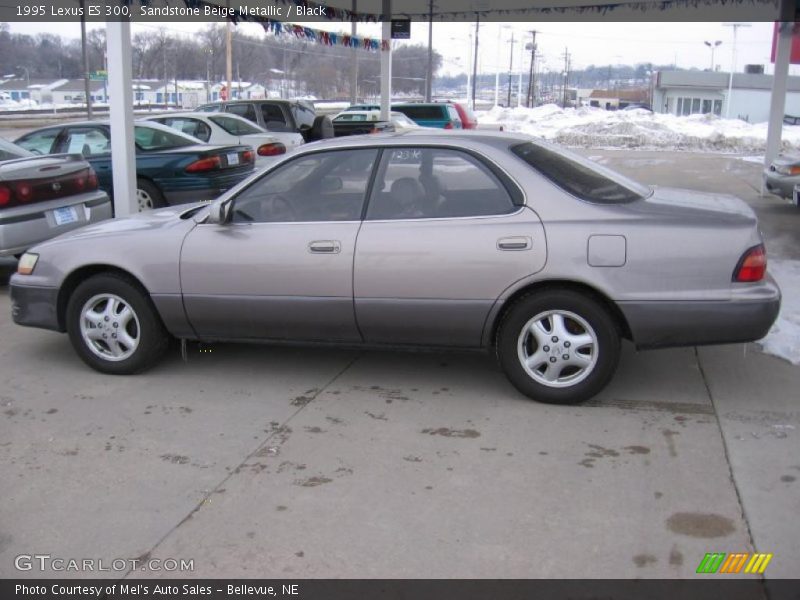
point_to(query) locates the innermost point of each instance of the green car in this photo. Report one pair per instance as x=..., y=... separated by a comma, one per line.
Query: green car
x=171, y=167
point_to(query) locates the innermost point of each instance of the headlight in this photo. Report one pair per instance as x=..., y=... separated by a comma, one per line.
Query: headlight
x=788, y=169
x=27, y=263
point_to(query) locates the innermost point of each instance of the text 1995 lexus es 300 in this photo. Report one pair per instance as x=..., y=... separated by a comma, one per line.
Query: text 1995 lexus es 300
x=444, y=239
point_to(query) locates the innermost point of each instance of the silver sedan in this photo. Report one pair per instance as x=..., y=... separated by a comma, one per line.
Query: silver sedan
x=468, y=241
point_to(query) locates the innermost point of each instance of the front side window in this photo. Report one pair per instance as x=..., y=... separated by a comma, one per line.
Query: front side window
x=324, y=186
x=579, y=176
x=243, y=110
x=274, y=119
x=430, y=183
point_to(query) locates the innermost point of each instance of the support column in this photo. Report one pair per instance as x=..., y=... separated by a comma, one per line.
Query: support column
x=778, y=99
x=123, y=150
x=386, y=62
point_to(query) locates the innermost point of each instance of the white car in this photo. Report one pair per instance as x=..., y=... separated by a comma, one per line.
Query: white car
x=352, y=115
x=223, y=128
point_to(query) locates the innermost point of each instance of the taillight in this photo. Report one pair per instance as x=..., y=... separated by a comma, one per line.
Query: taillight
x=23, y=191
x=204, y=164
x=449, y=125
x=248, y=156
x=752, y=266
x=272, y=149
x=5, y=195
x=91, y=180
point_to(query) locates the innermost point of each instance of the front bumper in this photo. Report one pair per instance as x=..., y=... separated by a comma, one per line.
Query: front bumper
x=746, y=318
x=35, y=306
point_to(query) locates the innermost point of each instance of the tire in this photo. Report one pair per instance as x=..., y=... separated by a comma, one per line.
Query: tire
x=584, y=333
x=97, y=308
x=322, y=128
x=148, y=196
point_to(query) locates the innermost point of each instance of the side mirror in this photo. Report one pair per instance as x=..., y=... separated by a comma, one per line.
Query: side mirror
x=218, y=212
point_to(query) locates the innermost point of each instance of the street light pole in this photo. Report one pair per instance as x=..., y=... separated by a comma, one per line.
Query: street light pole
x=510, y=68
x=713, y=47
x=733, y=66
x=529, y=99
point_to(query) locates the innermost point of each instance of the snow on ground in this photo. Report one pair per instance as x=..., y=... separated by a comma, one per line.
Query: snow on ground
x=783, y=339
x=589, y=127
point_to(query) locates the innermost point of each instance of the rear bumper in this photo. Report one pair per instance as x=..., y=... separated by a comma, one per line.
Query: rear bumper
x=698, y=323
x=35, y=306
x=780, y=185
x=23, y=227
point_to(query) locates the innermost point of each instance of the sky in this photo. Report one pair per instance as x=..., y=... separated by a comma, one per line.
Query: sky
x=598, y=43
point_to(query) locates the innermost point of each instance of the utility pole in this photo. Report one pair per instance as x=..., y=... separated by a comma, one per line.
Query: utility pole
x=429, y=79
x=566, y=76
x=529, y=99
x=354, y=57
x=85, y=57
x=228, y=54
x=475, y=60
x=510, y=68
x=733, y=65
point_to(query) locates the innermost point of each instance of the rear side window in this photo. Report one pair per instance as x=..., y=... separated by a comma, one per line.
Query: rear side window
x=274, y=119
x=423, y=112
x=581, y=177
x=89, y=141
x=430, y=183
x=193, y=127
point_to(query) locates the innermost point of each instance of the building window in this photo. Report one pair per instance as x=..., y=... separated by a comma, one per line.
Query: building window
x=718, y=107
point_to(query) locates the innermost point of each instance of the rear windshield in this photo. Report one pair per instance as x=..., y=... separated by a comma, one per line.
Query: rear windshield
x=150, y=138
x=580, y=176
x=235, y=126
x=9, y=151
x=434, y=113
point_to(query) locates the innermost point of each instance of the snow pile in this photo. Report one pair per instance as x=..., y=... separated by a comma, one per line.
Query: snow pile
x=589, y=127
x=783, y=339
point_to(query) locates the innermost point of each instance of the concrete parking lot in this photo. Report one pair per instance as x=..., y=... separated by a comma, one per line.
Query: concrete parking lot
x=273, y=462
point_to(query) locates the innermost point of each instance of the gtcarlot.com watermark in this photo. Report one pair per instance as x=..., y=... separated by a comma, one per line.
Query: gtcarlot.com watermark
x=47, y=562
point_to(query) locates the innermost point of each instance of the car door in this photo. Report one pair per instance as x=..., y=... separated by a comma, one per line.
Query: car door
x=283, y=267
x=445, y=234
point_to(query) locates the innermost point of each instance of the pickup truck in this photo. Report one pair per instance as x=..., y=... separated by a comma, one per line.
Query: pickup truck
x=280, y=117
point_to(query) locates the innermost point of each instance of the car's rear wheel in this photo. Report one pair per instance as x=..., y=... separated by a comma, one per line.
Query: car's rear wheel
x=113, y=325
x=148, y=196
x=558, y=346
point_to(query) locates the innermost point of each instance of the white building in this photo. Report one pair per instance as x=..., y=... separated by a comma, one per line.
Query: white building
x=704, y=92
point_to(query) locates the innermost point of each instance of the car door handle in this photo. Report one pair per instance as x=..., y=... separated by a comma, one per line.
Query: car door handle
x=514, y=243
x=325, y=247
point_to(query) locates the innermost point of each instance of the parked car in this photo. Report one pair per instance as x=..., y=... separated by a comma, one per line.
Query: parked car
x=360, y=122
x=171, y=167
x=296, y=117
x=468, y=240
x=782, y=175
x=434, y=114
x=214, y=128
x=42, y=197
x=363, y=107
x=468, y=118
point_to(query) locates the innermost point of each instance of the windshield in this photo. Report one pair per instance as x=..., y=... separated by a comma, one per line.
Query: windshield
x=579, y=176
x=9, y=151
x=156, y=138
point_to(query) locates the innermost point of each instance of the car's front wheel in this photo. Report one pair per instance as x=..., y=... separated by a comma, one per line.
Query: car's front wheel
x=558, y=346
x=113, y=325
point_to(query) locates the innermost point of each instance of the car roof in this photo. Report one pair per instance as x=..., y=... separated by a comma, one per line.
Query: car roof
x=422, y=136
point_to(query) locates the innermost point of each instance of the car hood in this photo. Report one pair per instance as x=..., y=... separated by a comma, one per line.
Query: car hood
x=693, y=206
x=139, y=223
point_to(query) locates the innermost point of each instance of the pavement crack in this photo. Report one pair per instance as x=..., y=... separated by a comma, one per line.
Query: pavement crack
x=725, y=450
x=275, y=432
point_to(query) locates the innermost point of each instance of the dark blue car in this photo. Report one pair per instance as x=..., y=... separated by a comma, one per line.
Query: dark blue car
x=171, y=167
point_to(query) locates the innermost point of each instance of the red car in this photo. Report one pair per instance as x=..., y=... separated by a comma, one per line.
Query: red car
x=468, y=119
